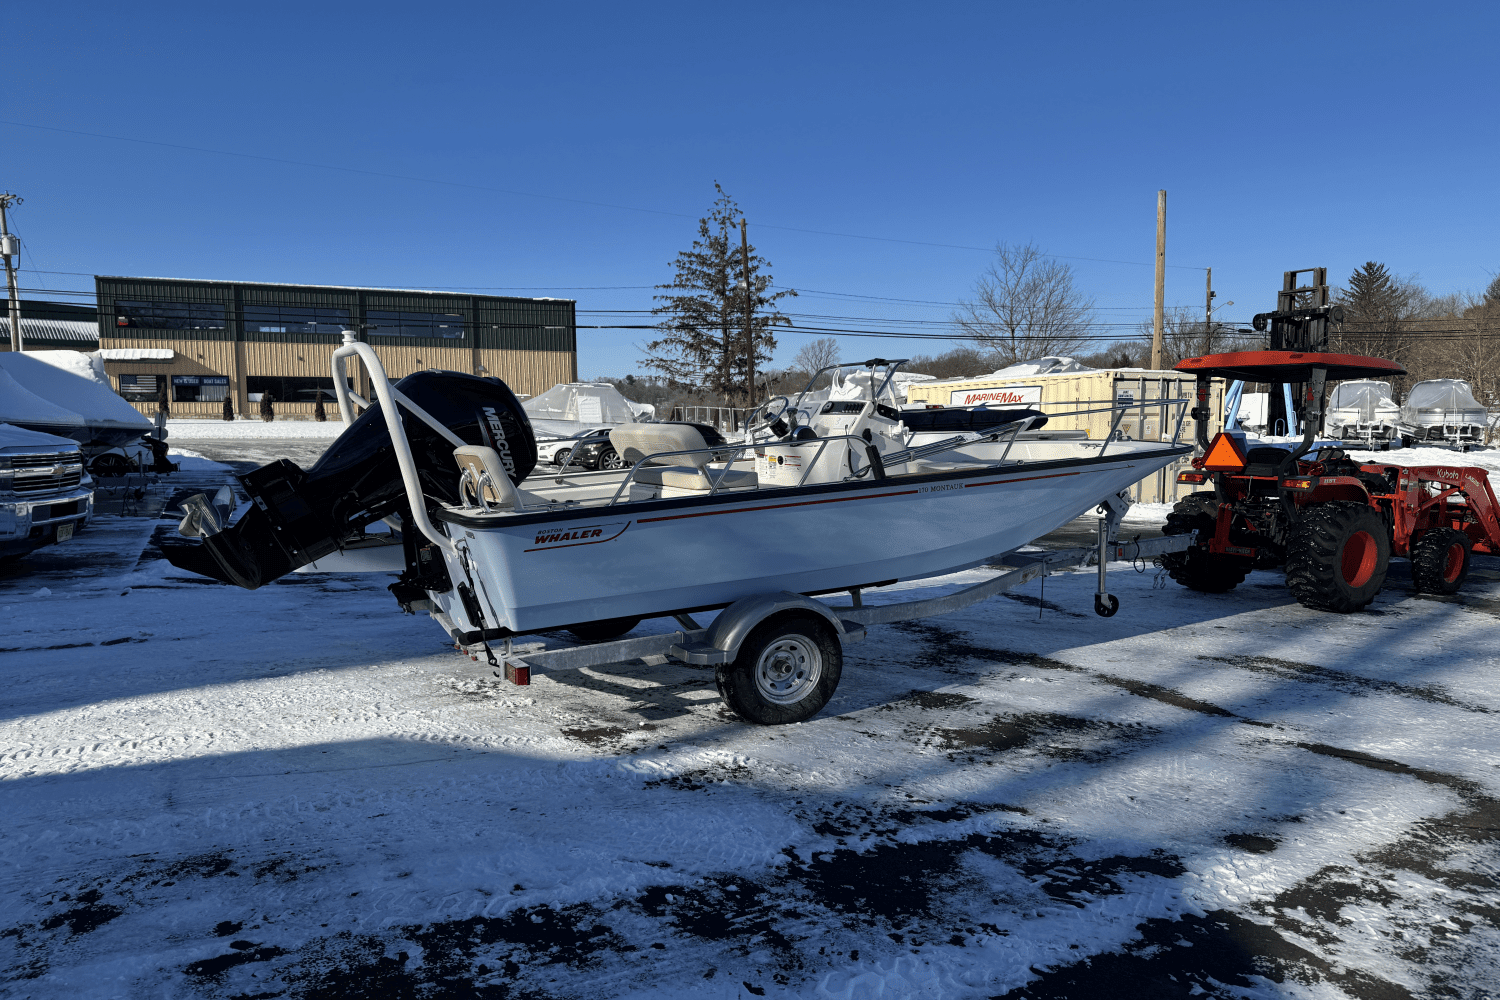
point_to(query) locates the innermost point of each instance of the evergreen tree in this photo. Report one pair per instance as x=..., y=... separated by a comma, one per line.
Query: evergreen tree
x=1492, y=293
x=703, y=341
x=1374, y=297
x=267, y=411
x=162, y=406
x=228, y=406
x=320, y=414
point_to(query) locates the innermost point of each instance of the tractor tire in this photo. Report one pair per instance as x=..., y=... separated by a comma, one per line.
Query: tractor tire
x=1440, y=561
x=1197, y=568
x=1337, y=555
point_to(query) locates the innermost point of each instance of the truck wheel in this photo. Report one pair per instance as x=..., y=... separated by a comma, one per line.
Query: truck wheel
x=608, y=628
x=1440, y=560
x=1197, y=568
x=1337, y=554
x=786, y=670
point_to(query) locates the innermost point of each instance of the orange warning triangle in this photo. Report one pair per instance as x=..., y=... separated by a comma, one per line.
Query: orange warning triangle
x=1224, y=454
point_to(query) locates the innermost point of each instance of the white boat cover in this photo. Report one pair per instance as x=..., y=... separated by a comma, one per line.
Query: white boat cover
x=1436, y=402
x=1253, y=408
x=566, y=409
x=19, y=437
x=856, y=385
x=1041, y=366
x=43, y=397
x=1361, y=401
x=89, y=366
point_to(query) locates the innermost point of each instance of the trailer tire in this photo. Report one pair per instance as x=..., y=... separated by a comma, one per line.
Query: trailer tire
x=1197, y=568
x=1337, y=556
x=786, y=670
x=607, y=628
x=1440, y=560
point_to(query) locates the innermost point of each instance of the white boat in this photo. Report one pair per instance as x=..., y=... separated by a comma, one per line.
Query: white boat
x=1442, y=411
x=827, y=498
x=1362, y=410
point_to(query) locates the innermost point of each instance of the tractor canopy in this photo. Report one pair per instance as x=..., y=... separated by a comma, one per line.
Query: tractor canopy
x=1288, y=366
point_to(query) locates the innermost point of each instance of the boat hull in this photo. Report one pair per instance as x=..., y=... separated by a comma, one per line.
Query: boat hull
x=644, y=559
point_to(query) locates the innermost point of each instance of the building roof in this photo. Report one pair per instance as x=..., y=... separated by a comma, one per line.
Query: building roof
x=451, y=292
x=53, y=330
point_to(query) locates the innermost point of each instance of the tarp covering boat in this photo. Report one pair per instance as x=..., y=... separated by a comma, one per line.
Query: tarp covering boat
x=47, y=398
x=566, y=409
x=1362, y=408
x=1442, y=401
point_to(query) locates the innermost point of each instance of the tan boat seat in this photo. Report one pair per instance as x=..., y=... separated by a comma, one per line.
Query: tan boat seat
x=634, y=442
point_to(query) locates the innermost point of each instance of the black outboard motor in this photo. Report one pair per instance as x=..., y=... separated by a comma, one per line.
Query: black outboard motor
x=299, y=516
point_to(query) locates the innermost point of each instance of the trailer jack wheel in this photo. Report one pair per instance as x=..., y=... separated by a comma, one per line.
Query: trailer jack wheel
x=1105, y=605
x=786, y=670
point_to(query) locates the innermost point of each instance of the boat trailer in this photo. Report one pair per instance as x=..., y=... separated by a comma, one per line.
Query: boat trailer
x=719, y=644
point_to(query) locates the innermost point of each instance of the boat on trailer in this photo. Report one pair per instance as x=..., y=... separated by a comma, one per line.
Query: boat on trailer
x=822, y=497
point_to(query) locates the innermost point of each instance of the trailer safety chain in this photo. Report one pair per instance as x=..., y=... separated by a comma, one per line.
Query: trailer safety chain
x=1160, y=580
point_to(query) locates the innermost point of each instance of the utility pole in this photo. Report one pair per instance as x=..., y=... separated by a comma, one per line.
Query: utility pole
x=10, y=246
x=749, y=318
x=1161, y=278
x=1208, y=310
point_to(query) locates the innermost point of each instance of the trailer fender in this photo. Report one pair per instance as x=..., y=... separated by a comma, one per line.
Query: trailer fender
x=728, y=631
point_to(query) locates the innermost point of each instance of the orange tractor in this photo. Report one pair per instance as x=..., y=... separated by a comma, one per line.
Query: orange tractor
x=1333, y=522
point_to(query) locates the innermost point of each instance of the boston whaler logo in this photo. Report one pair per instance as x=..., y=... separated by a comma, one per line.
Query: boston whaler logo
x=558, y=537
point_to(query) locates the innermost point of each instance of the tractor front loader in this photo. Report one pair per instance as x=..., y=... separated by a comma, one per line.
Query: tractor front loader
x=1332, y=522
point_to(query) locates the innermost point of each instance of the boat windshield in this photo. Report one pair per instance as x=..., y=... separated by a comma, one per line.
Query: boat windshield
x=854, y=379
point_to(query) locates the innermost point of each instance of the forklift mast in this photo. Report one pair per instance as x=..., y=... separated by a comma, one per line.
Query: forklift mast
x=1300, y=323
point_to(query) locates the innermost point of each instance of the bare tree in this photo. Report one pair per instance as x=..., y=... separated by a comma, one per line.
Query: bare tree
x=816, y=354
x=1025, y=306
x=961, y=362
x=1186, y=334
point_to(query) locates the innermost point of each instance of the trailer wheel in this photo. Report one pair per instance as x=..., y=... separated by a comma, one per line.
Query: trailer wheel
x=786, y=670
x=1337, y=555
x=1440, y=560
x=1197, y=568
x=608, y=628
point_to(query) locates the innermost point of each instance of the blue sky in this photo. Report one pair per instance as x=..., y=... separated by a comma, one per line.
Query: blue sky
x=567, y=150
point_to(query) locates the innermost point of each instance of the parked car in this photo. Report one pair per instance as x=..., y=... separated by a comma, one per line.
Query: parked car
x=45, y=494
x=562, y=451
x=595, y=451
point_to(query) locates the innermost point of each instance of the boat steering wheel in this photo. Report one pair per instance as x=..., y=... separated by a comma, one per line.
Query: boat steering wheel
x=771, y=418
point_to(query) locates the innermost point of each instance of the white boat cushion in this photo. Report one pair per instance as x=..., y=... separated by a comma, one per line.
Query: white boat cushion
x=688, y=478
x=634, y=442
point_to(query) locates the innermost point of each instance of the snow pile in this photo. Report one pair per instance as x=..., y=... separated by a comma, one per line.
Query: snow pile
x=88, y=366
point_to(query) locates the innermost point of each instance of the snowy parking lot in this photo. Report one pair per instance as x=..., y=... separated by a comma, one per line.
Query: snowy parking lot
x=301, y=792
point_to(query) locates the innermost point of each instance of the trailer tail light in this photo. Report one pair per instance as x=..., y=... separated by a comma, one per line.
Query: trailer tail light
x=1224, y=454
x=1196, y=478
x=1300, y=483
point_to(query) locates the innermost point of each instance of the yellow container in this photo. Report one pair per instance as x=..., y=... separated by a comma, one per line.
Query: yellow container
x=1092, y=390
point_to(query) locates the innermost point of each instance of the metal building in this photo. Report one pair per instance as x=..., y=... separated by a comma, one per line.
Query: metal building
x=205, y=340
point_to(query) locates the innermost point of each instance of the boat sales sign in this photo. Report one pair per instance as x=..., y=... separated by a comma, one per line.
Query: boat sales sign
x=1005, y=395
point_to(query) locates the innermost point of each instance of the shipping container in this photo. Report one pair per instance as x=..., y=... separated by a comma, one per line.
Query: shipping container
x=1148, y=420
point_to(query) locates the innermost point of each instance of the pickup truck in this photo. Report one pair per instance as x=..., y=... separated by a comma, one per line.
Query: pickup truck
x=45, y=494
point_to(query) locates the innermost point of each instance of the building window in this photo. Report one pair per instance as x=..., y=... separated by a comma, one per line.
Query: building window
x=199, y=388
x=447, y=326
x=169, y=315
x=140, y=388
x=295, y=319
x=288, y=389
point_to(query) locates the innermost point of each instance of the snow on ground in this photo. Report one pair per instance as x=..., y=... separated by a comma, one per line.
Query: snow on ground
x=301, y=792
x=254, y=428
x=1483, y=458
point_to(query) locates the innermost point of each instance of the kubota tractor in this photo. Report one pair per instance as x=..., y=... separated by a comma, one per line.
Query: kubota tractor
x=1333, y=522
